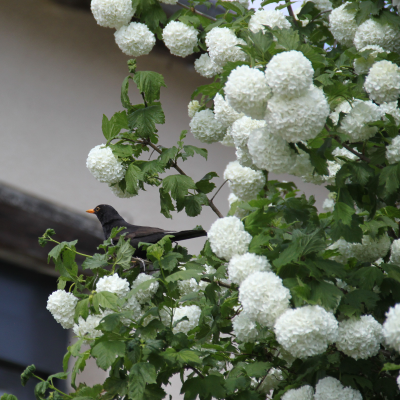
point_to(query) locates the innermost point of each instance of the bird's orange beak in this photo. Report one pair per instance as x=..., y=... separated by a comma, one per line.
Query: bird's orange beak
x=91, y=211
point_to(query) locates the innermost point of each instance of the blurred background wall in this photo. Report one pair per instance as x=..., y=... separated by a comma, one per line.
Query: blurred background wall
x=59, y=73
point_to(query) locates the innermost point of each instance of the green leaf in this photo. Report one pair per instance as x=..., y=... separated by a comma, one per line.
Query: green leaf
x=366, y=278
x=132, y=177
x=136, y=387
x=146, y=371
x=79, y=366
x=106, y=300
x=187, y=357
x=325, y=294
x=153, y=392
x=193, y=204
x=111, y=128
x=40, y=390
x=59, y=375
x=367, y=8
x=87, y=392
x=145, y=119
x=168, y=154
x=178, y=185
x=190, y=150
x=121, y=150
x=204, y=185
x=183, y=275
x=27, y=374
x=389, y=179
x=126, y=103
x=390, y=367
x=287, y=38
x=325, y=79
x=317, y=59
x=153, y=14
x=82, y=309
x=166, y=203
x=149, y=83
x=124, y=253
x=211, y=386
x=96, y=261
x=343, y=213
x=57, y=250
x=257, y=369
x=360, y=297
x=105, y=353
x=7, y=396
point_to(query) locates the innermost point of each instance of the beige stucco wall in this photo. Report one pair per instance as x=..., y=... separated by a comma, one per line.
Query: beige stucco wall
x=59, y=72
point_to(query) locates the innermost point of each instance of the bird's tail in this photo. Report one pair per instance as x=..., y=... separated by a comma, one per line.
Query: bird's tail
x=183, y=235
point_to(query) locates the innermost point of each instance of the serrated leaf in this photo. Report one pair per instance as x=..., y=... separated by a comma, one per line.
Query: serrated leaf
x=146, y=371
x=40, y=390
x=106, y=299
x=166, y=203
x=287, y=38
x=178, y=185
x=360, y=297
x=390, y=367
x=106, y=352
x=183, y=275
x=351, y=233
x=257, y=369
x=187, y=357
x=325, y=294
x=343, y=212
x=145, y=119
x=27, y=374
x=190, y=150
x=126, y=103
x=82, y=309
x=193, y=204
x=96, y=261
x=132, y=176
x=367, y=8
x=149, y=83
x=124, y=253
x=7, y=396
x=389, y=179
x=317, y=59
x=168, y=154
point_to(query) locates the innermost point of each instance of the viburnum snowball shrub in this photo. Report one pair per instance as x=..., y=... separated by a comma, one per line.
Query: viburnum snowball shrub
x=355, y=123
x=62, y=305
x=391, y=109
x=224, y=113
x=263, y=297
x=362, y=65
x=368, y=251
x=206, y=128
x=297, y=119
x=371, y=32
x=87, y=328
x=222, y=46
x=135, y=40
x=122, y=194
x=228, y=139
x=243, y=265
x=113, y=284
x=395, y=252
x=359, y=338
x=303, y=393
x=242, y=128
x=272, y=18
x=193, y=107
x=227, y=237
x=206, y=67
x=193, y=315
x=334, y=166
x=342, y=25
x=383, y=82
x=239, y=212
x=190, y=285
x=271, y=381
x=244, y=328
x=393, y=151
x=244, y=182
x=104, y=166
x=244, y=158
x=112, y=13
x=270, y=152
x=180, y=38
x=343, y=107
x=145, y=295
x=323, y=5
x=330, y=388
x=246, y=90
x=306, y=331
x=391, y=327
x=289, y=74
x=134, y=306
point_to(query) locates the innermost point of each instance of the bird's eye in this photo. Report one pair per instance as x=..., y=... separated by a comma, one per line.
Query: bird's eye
x=97, y=209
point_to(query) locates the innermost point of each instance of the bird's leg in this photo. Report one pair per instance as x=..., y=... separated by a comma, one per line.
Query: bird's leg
x=142, y=262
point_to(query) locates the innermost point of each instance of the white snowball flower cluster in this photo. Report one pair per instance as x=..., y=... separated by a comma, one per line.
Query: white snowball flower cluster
x=240, y=212
x=145, y=295
x=343, y=107
x=246, y=90
x=303, y=393
x=395, y=252
x=270, y=152
x=112, y=13
x=306, y=331
x=328, y=205
x=244, y=182
x=122, y=194
x=368, y=251
x=192, y=313
x=300, y=118
x=391, y=327
x=334, y=166
x=244, y=328
x=371, y=32
x=206, y=128
x=398, y=381
x=104, y=166
x=330, y=388
x=355, y=122
x=172, y=2
x=391, y=109
x=180, y=38
x=272, y=18
x=87, y=328
x=289, y=74
x=135, y=40
x=222, y=46
x=193, y=107
x=190, y=285
x=303, y=168
x=224, y=113
x=206, y=67
x=227, y=237
x=359, y=338
x=113, y=284
x=342, y=25
x=243, y=265
x=362, y=65
x=62, y=305
x=393, y=151
x=383, y=82
x=134, y=306
x=323, y=5
x=244, y=158
x=271, y=381
x=242, y=128
x=263, y=297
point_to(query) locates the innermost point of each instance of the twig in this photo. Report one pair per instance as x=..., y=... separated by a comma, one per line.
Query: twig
x=291, y=13
x=219, y=283
x=212, y=198
x=195, y=370
x=318, y=15
x=193, y=10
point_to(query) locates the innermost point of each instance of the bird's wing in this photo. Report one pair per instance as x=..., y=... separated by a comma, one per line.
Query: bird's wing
x=142, y=231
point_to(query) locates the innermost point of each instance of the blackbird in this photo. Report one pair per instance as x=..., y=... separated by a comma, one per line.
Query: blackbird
x=109, y=219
